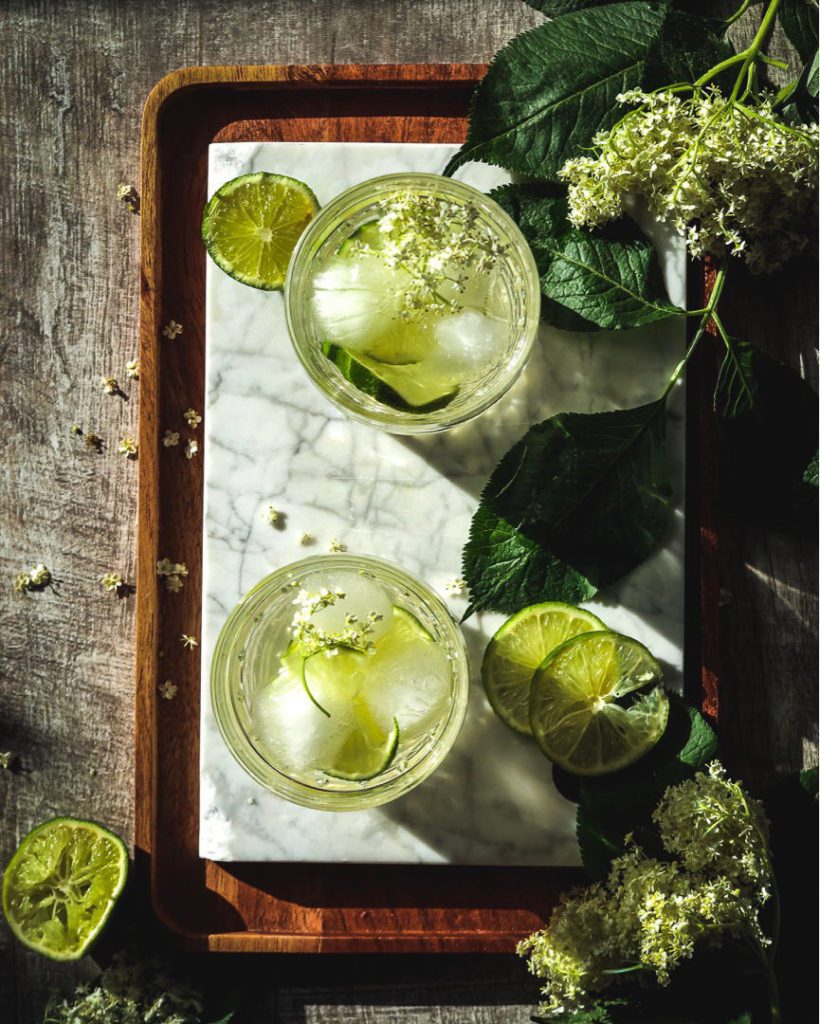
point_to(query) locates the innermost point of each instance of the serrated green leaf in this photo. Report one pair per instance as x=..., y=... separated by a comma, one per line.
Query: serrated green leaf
x=549, y=91
x=736, y=387
x=577, y=503
x=799, y=21
x=555, y=8
x=613, y=806
x=602, y=280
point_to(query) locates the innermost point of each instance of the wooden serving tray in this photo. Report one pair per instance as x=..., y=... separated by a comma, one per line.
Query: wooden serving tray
x=295, y=907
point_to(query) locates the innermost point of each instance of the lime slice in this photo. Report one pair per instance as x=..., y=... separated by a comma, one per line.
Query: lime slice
x=62, y=884
x=368, y=750
x=251, y=225
x=596, y=703
x=519, y=647
x=400, y=387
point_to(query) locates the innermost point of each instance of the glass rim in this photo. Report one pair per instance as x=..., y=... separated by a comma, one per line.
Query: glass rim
x=225, y=669
x=504, y=375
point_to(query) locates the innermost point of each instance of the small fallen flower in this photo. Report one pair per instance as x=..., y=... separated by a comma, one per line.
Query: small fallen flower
x=189, y=642
x=456, y=587
x=128, y=195
x=168, y=690
x=172, y=329
x=172, y=573
x=336, y=545
x=192, y=418
x=112, y=581
x=191, y=448
x=170, y=438
x=132, y=369
x=306, y=538
x=110, y=385
x=93, y=442
x=76, y=429
x=8, y=759
x=35, y=579
x=273, y=516
x=128, y=447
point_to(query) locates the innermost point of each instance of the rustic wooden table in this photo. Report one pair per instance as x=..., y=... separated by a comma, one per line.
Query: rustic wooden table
x=73, y=77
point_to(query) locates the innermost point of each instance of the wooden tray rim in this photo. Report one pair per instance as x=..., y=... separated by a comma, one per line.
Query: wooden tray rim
x=145, y=783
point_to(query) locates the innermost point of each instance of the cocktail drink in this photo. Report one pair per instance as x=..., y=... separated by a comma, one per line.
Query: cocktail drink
x=340, y=682
x=413, y=301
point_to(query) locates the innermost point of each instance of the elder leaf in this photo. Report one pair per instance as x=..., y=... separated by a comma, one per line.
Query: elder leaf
x=577, y=503
x=736, y=386
x=602, y=280
x=551, y=89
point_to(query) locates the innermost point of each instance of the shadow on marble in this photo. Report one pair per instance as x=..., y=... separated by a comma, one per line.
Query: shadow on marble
x=567, y=372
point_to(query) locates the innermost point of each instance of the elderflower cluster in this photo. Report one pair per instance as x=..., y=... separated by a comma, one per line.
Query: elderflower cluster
x=650, y=913
x=439, y=244
x=130, y=991
x=732, y=178
x=312, y=638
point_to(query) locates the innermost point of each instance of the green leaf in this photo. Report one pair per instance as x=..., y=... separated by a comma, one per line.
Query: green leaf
x=555, y=8
x=614, y=805
x=799, y=21
x=807, y=780
x=736, y=387
x=577, y=503
x=603, y=280
x=810, y=474
x=549, y=91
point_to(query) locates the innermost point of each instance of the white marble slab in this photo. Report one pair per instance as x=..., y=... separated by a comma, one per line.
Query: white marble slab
x=272, y=438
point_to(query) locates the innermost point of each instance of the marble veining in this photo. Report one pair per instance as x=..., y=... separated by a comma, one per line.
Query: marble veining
x=272, y=438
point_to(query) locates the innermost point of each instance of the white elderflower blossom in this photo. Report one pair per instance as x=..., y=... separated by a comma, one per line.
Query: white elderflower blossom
x=170, y=439
x=127, y=447
x=431, y=238
x=732, y=178
x=652, y=914
x=172, y=573
x=112, y=581
x=312, y=638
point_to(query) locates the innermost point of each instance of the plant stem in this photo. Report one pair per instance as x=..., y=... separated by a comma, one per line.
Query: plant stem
x=752, y=52
x=707, y=314
x=739, y=12
x=747, y=57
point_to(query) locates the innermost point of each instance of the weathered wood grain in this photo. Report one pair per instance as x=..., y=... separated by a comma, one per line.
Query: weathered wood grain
x=73, y=77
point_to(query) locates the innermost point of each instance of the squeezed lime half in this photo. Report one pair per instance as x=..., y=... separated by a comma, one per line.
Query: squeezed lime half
x=61, y=886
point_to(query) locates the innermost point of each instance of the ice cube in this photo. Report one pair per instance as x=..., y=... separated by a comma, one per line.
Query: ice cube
x=293, y=732
x=410, y=684
x=468, y=343
x=356, y=300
